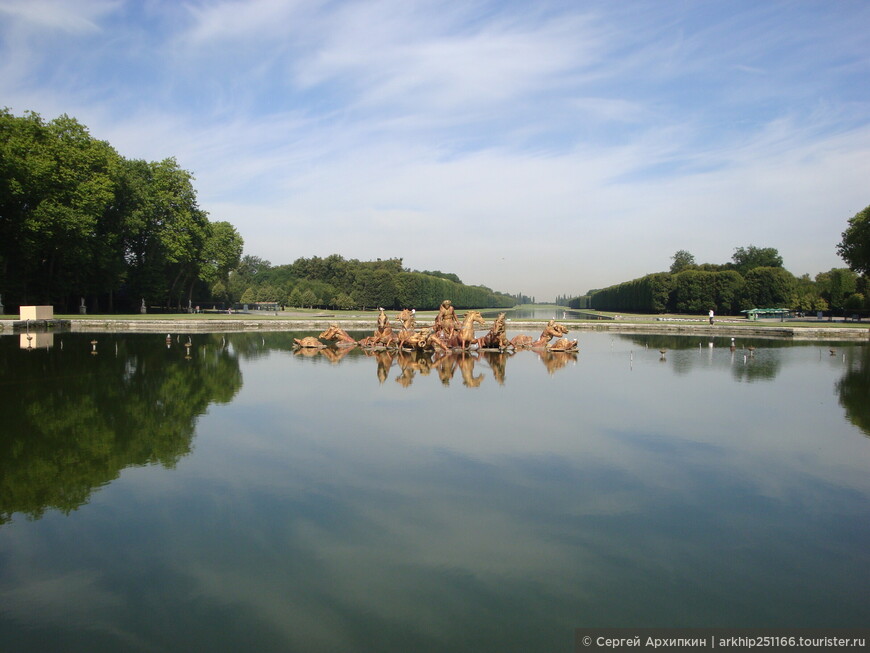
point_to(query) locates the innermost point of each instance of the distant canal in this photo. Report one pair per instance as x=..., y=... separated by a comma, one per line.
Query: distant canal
x=535, y=312
x=220, y=492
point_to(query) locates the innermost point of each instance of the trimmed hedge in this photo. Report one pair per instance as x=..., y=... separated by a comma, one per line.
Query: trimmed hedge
x=697, y=291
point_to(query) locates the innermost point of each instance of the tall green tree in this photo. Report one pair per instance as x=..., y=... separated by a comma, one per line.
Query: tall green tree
x=768, y=287
x=854, y=248
x=167, y=235
x=836, y=285
x=694, y=291
x=683, y=260
x=309, y=298
x=221, y=253
x=747, y=258
x=77, y=219
x=56, y=188
x=729, y=287
x=295, y=298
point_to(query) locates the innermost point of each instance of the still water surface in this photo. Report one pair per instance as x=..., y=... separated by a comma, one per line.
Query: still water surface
x=233, y=495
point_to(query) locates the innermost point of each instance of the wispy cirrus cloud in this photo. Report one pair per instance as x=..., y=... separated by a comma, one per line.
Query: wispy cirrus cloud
x=532, y=131
x=82, y=16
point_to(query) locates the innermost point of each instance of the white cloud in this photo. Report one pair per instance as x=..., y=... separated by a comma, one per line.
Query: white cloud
x=74, y=17
x=544, y=149
x=241, y=20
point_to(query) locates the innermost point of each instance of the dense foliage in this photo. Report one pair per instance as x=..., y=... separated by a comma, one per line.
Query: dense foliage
x=335, y=282
x=79, y=220
x=754, y=278
x=855, y=246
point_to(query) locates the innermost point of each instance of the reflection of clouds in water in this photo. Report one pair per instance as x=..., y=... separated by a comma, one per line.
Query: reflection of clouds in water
x=426, y=549
x=326, y=509
x=404, y=542
x=78, y=599
x=571, y=412
x=64, y=597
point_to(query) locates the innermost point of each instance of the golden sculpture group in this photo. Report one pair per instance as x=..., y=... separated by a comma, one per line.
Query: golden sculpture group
x=446, y=334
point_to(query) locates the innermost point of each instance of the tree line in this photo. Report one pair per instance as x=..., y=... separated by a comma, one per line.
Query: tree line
x=334, y=282
x=80, y=221
x=754, y=278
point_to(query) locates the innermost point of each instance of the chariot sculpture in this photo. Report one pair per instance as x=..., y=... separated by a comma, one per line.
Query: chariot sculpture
x=447, y=333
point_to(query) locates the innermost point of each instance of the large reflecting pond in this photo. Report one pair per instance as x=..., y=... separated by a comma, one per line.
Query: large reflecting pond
x=220, y=492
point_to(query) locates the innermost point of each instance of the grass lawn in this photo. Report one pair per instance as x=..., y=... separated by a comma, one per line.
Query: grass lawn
x=424, y=317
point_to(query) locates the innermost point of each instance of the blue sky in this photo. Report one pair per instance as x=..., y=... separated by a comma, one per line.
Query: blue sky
x=539, y=147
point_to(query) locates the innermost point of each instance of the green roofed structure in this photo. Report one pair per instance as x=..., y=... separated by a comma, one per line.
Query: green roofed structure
x=767, y=313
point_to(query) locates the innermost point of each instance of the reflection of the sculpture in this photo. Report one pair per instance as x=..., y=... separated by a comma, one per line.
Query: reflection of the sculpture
x=385, y=362
x=497, y=361
x=332, y=354
x=556, y=360
x=411, y=364
x=445, y=363
x=308, y=352
x=447, y=333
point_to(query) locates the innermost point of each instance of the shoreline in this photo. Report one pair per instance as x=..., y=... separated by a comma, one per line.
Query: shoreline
x=319, y=323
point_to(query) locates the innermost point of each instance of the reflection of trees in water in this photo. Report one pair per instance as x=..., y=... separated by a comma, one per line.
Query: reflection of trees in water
x=659, y=341
x=751, y=359
x=854, y=388
x=677, y=342
x=254, y=344
x=74, y=420
x=754, y=359
x=760, y=365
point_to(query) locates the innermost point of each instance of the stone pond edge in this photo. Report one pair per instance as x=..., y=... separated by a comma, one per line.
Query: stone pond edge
x=723, y=329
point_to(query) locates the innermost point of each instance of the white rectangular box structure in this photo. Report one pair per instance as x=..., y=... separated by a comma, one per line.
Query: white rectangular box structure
x=36, y=312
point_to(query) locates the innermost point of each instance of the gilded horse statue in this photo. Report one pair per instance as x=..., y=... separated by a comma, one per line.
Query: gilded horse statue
x=563, y=345
x=408, y=318
x=341, y=337
x=552, y=330
x=465, y=335
x=408, y=337
x=497, y=336
x=383, y=335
